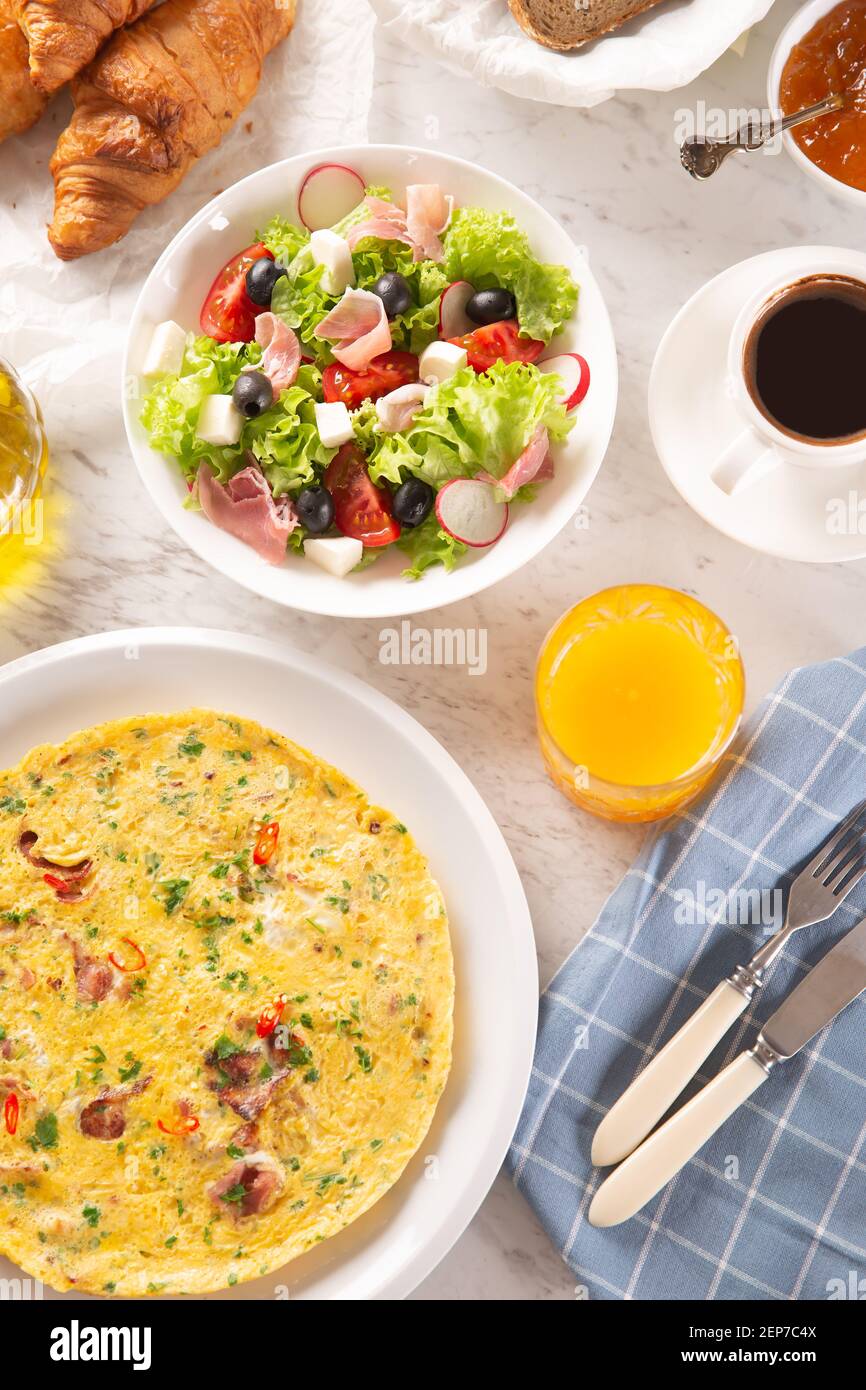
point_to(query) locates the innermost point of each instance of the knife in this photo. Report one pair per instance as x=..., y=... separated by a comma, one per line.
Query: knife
x=834, y=983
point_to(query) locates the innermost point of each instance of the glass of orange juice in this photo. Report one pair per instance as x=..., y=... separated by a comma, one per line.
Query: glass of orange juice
x=639, y=691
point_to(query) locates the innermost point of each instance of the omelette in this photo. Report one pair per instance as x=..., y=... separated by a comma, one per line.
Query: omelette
x=226, y=997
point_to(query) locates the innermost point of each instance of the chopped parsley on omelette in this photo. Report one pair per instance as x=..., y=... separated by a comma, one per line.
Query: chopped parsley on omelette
x=226, y=993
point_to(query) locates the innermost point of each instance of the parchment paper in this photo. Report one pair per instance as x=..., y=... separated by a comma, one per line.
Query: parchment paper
x=64, y=325
x=660, y=50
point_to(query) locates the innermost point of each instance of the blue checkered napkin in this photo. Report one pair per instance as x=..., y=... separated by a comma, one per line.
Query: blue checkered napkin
x=774, y=1206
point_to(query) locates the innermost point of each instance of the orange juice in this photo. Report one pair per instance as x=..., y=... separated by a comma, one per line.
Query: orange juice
x=639, y=690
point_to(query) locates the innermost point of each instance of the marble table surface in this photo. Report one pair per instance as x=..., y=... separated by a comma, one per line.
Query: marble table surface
x=612, y=177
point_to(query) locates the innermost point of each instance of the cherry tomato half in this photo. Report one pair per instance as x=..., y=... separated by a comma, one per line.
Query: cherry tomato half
x=498, y=342
x=383, y=374
x=228, y=314
x=362, y=510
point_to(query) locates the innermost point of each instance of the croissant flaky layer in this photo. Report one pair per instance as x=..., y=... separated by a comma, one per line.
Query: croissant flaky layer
x=20, y=103
x=64, y=35
x=158, y=97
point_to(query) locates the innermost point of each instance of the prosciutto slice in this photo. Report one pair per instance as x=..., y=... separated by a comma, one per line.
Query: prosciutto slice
x=281, y=352
x=382, y=228
x=359, y=328
x=397, y=410
x=427, y=214
x=245, y=508
x=385, y=221
x=534, y=465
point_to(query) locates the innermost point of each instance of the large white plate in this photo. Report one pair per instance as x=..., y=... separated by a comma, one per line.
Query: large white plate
x=388, y=1251
x=181, y=278
x=658, y=50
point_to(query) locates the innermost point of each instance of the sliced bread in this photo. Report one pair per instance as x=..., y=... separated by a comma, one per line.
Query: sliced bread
x=565, y=24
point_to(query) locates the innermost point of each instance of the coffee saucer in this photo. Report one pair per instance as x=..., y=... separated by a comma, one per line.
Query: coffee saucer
x=794, y=513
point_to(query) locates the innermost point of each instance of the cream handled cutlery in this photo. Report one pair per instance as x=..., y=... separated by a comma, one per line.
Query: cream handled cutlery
x=815, y=894
x=829, y=988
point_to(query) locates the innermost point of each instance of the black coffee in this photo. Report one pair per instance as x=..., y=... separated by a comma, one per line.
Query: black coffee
x=805, y=360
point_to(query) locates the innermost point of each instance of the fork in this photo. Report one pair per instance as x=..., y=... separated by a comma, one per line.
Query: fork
x=815, y=894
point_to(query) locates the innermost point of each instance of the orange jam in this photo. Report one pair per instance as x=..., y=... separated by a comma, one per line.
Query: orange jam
x=830, y=59
x=639, y=690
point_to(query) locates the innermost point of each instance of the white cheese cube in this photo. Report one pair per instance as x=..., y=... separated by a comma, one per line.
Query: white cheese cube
x=219, y=421
x=332, y=252
x=333, y=423
x=165, y=354
x=439, y=361
x=336, y=554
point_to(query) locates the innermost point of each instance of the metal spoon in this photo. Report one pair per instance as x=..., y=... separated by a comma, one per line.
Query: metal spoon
x=701, y=158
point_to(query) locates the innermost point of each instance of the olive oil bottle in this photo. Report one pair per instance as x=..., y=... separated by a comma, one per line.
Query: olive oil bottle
x=23, y=455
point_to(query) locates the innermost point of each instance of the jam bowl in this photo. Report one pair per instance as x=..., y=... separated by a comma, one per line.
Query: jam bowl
x=796, y=30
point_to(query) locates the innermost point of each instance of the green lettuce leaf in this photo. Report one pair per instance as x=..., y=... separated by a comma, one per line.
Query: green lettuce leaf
x=171, y=410
x=428, y=545
x=489, y=249
x=283, y=239
x=472, y=422
x=284, y=439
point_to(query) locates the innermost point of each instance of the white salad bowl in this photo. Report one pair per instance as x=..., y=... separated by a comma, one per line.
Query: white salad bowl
x=176, y=288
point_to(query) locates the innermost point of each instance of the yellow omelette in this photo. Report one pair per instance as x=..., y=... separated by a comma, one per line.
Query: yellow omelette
x=226, y=995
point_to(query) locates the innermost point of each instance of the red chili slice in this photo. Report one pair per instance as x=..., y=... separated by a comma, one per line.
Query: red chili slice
x=10, y=1113
x=133, y=946
x=187, y=1124
x=266, y=843
x=271, y=1015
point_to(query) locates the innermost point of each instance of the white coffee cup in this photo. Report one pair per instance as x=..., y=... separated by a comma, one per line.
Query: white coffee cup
x=761, y=447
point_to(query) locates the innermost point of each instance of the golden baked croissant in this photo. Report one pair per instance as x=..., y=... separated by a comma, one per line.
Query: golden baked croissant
x=20, y=103
x=157, y=98
x=64, y=35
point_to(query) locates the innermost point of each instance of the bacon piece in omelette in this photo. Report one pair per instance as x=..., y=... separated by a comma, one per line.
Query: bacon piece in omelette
x=242, y=1079
x=93, y=976
x=105, y=1117
x=250, y=1186
x=70, y=873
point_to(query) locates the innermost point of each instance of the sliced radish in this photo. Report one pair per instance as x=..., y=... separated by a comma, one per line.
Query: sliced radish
x=574, y=371
x=470, y=511
x=454, y=321
x=329, y=192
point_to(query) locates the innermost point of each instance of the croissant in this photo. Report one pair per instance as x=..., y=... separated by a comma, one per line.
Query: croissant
x=158, y=97
x=20, y=103
x=65, y=34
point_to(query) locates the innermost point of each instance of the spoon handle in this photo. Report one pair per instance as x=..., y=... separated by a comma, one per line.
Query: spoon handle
x=751, y=136
x=820, y=108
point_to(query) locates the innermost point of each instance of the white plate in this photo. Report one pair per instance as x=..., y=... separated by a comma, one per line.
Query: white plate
x=796, y=29
x=793, y=513
x=176, y=288
x=659, y=50
x=394, y=1246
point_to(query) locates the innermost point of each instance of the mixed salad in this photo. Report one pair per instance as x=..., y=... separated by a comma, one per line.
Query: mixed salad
x=375, y=375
